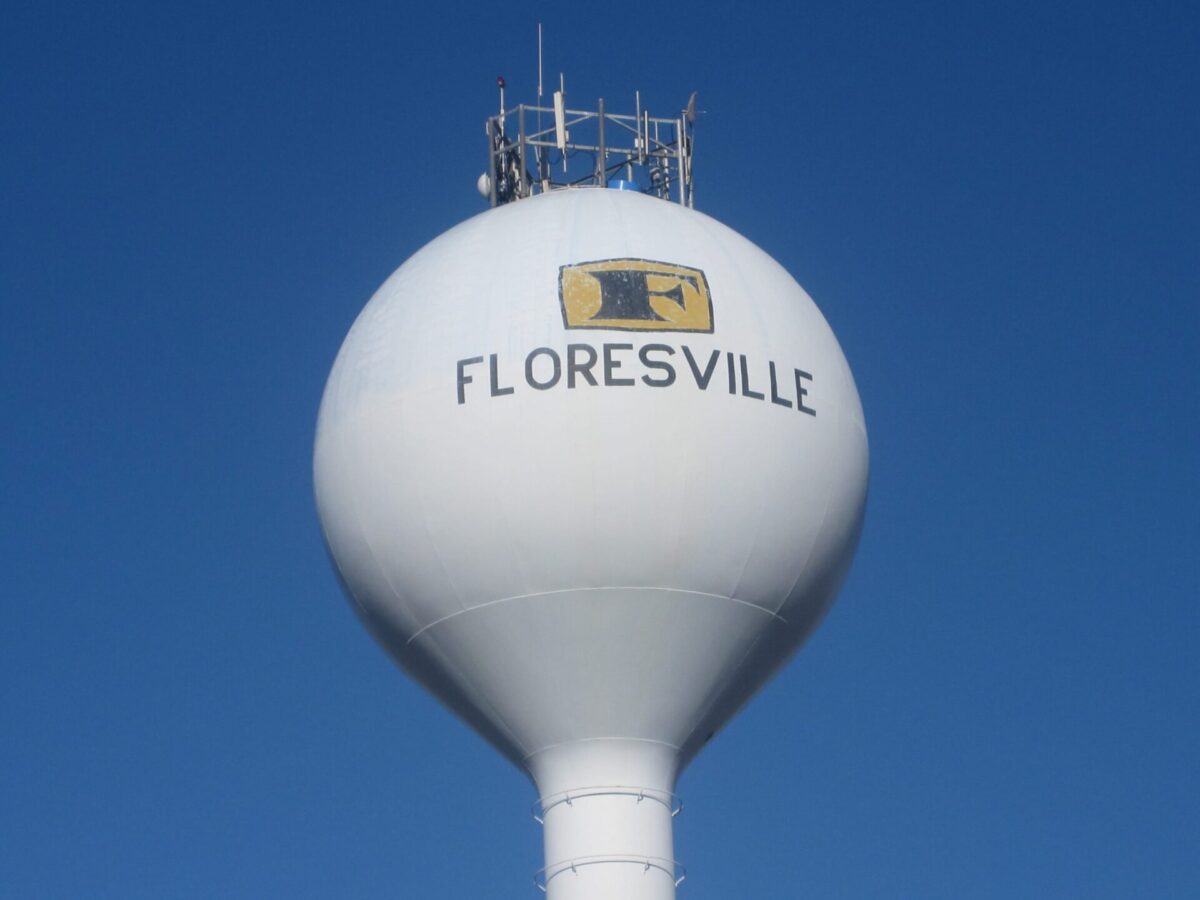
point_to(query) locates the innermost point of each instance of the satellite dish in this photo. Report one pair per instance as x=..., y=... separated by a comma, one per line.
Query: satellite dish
x=592, y=466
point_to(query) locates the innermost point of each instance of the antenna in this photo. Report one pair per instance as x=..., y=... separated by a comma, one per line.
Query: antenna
x=500, y=85
x=543, y=164
x=560, y=125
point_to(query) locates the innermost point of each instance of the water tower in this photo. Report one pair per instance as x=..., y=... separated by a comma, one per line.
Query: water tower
x=591, y=467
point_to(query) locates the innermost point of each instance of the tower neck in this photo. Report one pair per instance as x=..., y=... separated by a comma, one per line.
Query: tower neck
x=607, y=808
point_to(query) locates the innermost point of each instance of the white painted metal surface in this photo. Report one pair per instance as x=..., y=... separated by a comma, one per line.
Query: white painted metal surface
x=594, y=576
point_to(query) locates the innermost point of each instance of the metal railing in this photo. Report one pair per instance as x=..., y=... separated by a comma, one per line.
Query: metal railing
x=588, y=148
x=547, y=803
x=672, y=867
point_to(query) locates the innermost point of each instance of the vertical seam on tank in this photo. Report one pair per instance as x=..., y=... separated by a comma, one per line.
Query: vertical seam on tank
x=467, y=686
x=362, y=533
x=837, y=427
x=478, y=696
x=807, y=556
x=709, y=226
x=424, y=510
x=726, y=687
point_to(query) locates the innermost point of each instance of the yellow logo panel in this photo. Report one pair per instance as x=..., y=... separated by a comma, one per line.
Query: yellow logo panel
x=634, y=295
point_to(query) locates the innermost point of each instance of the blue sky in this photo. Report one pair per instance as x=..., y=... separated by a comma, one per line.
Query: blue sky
x=997, y=206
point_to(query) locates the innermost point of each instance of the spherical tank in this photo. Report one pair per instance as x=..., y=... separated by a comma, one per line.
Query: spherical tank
x=591, y=466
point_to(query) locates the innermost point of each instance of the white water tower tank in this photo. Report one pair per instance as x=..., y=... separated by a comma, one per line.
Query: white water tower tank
x=592, y=466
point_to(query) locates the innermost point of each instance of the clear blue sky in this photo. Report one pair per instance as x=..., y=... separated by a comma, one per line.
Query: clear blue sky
x=996, y=205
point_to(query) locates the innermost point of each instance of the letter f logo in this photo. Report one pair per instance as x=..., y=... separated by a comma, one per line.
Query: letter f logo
x=635, y=295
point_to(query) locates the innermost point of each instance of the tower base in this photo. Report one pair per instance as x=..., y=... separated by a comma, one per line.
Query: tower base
x=607, y=809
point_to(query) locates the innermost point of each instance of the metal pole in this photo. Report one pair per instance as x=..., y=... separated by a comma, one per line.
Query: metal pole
x=491, y=173
x=602, y=162
x=521, y=149
x=679, y=158
x=641, y=146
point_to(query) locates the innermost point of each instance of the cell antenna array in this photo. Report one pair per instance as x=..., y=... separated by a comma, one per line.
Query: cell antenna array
x=587, y=148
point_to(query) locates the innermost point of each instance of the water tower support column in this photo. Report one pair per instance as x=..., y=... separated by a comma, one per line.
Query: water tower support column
x=607, y=810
